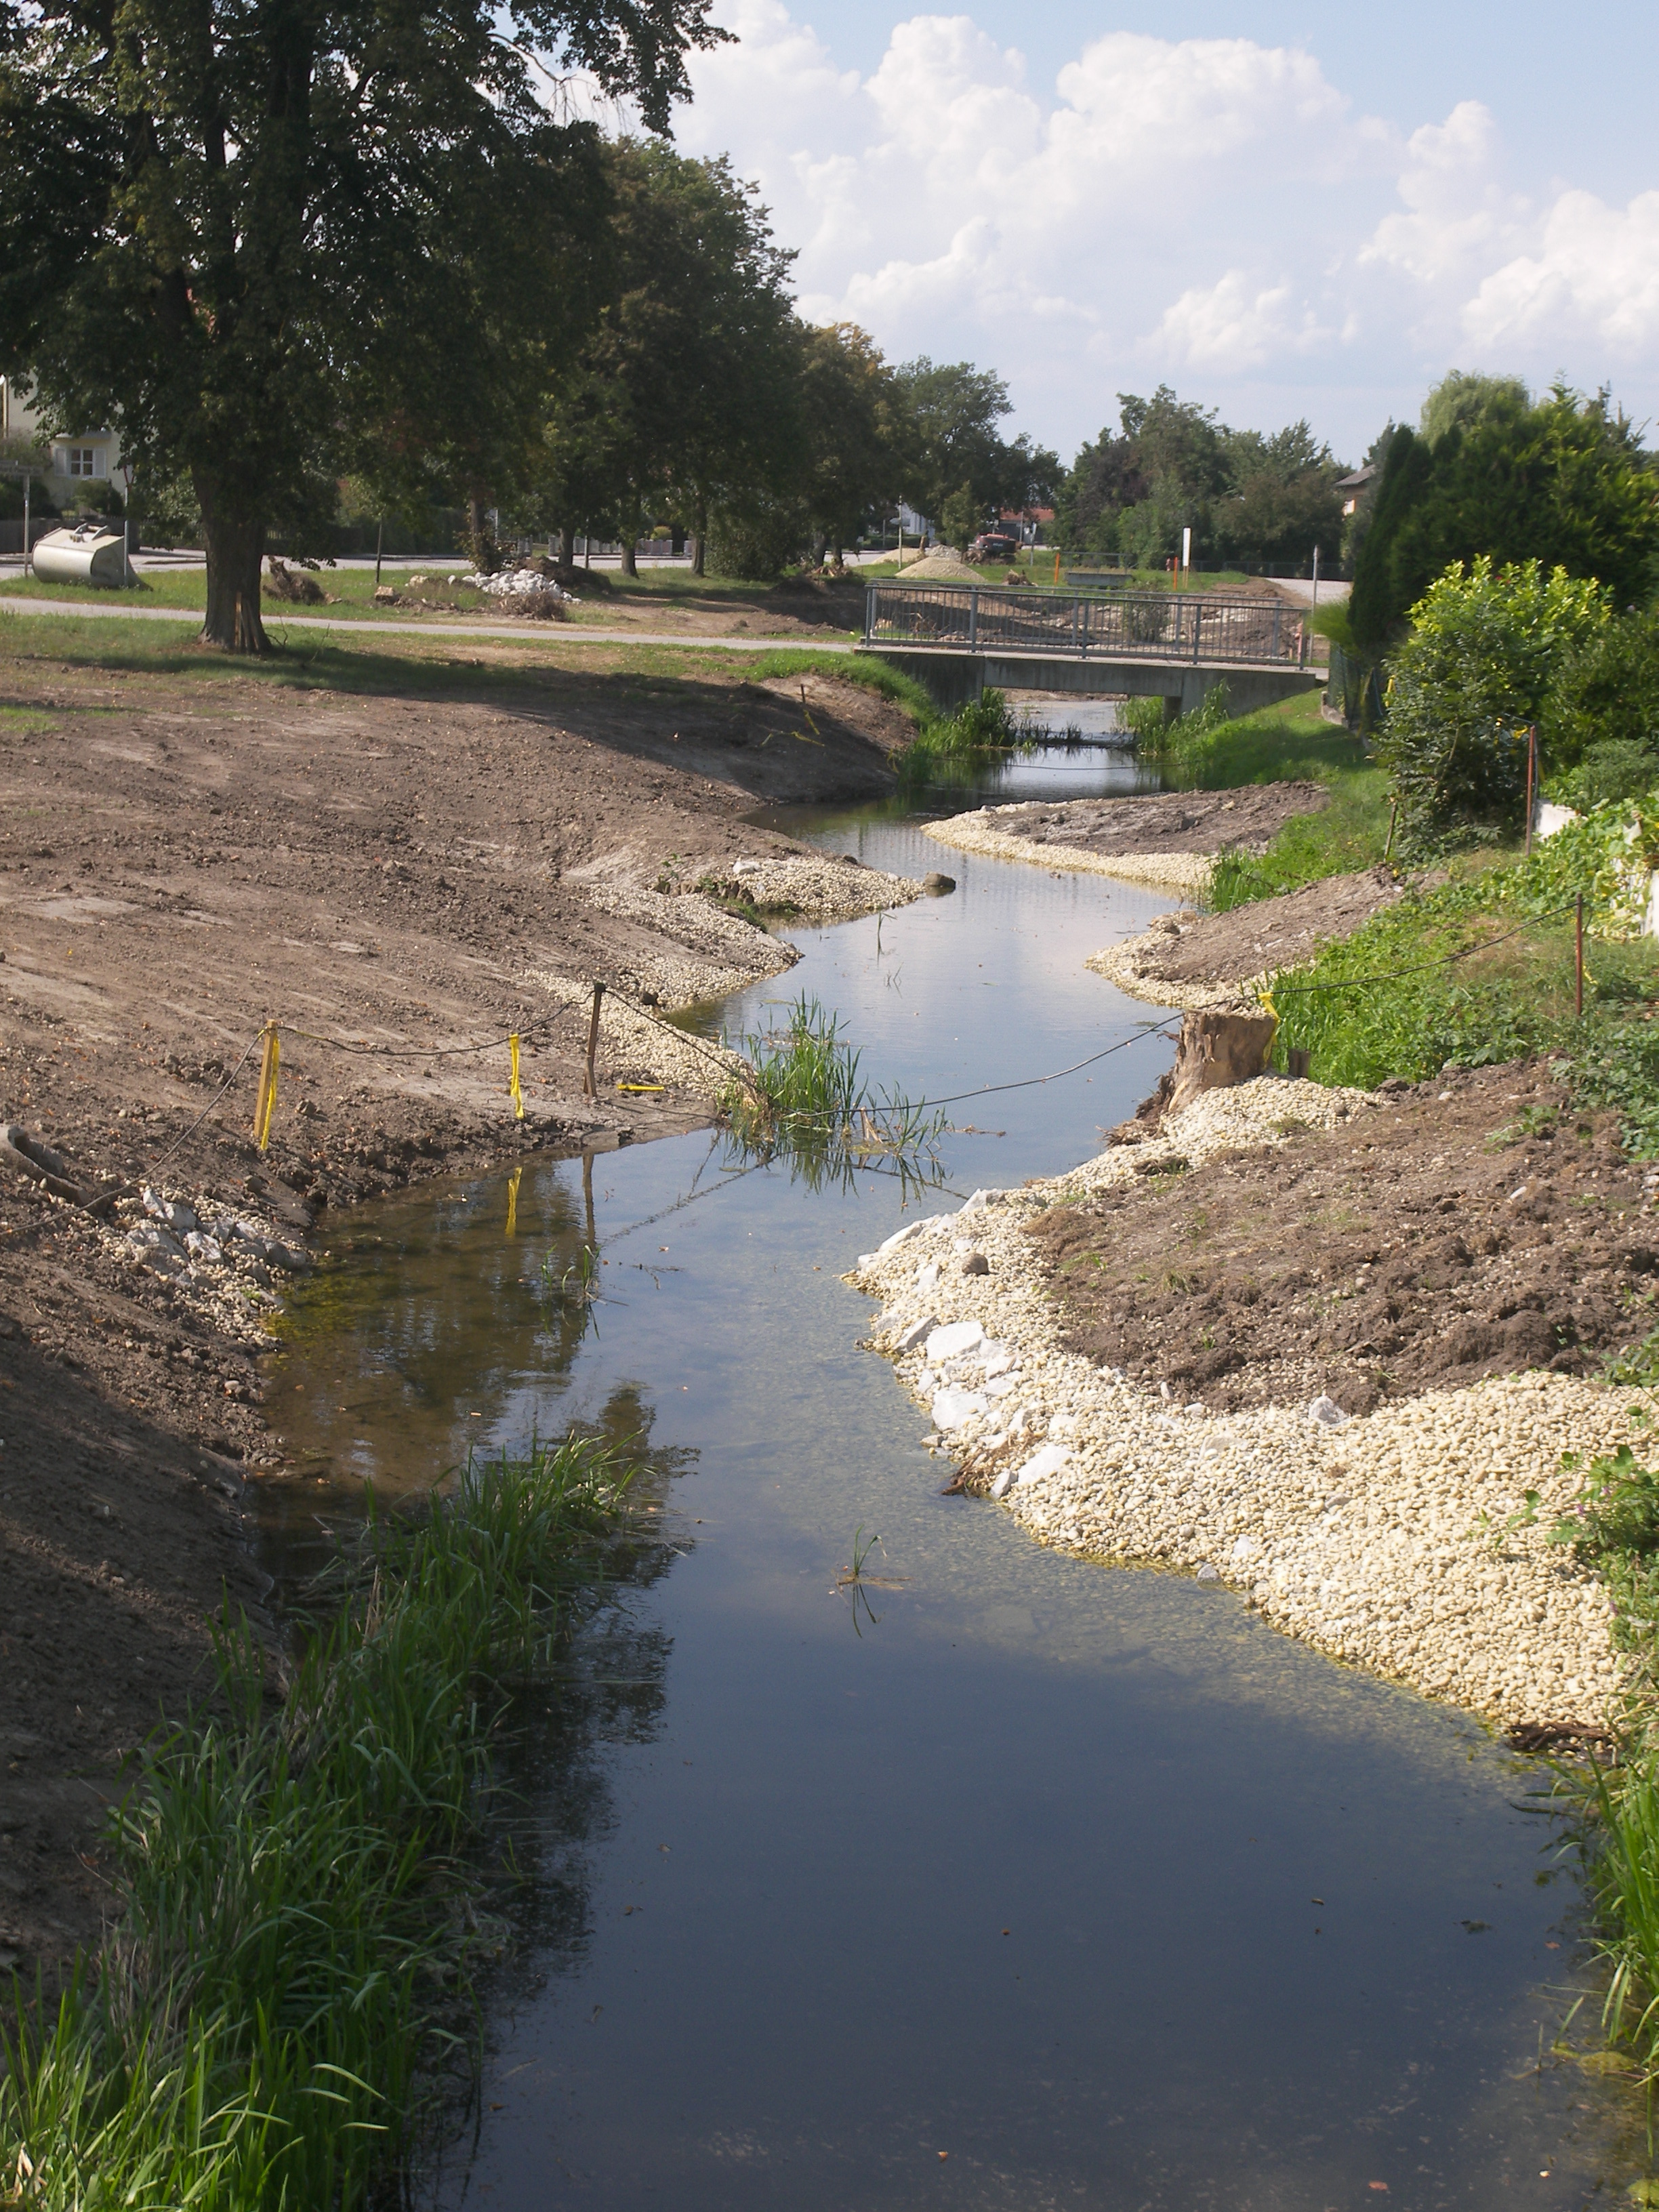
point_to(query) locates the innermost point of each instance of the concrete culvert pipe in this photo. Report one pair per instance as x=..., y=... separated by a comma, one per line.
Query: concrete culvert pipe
x=87, y=555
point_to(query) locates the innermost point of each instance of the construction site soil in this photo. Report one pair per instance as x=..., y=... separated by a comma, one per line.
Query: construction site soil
x=1189, y=959
x=1475, y=1226
x=399, y=866
x=1247, y=819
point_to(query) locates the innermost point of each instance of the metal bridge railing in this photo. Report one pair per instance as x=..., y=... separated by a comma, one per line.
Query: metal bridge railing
x=1128, y=626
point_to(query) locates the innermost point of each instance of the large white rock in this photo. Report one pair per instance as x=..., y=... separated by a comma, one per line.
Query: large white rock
x=952, y=1407
x=917, y=1333
x=1050, y=1461
x=1326, y=1412
x=953, y=1339
x=900, y=1236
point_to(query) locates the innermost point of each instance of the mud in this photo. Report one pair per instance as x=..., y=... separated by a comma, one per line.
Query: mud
x=1476, y=1225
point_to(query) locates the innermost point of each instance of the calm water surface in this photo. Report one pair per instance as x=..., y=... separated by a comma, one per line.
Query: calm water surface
x=1055, y=1884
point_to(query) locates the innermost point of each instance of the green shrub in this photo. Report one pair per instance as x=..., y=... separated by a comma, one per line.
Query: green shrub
x=1605, y=691
x=1617, y=769
x=1484, y=647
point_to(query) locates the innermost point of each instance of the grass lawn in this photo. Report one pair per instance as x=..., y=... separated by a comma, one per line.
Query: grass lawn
x=332, y=659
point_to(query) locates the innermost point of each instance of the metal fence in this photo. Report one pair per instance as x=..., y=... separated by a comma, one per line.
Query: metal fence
x=1195, y=627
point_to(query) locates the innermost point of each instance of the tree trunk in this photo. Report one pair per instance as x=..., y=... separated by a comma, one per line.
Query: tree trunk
x=630, y=566
x=698, y=567
x=236, y=549
x=568, y=546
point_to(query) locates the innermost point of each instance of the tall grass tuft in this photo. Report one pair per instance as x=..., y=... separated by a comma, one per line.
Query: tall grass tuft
x=299, y=1883
x=800, y=1098
x=984, y=725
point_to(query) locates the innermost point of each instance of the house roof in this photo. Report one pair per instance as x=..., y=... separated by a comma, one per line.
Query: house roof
x=1359, y=477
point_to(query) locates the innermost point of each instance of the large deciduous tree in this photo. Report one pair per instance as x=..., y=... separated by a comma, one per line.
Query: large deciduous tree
x=272, y=239
x=684, y=395
x=954, y=447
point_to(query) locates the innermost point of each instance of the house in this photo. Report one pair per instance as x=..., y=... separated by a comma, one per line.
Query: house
x=1351, y=487
x=83, y=456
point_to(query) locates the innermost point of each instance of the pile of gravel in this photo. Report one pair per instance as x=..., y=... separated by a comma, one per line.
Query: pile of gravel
x=1391, y=1540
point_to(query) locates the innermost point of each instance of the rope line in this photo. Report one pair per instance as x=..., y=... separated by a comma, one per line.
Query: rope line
x=1421, y=967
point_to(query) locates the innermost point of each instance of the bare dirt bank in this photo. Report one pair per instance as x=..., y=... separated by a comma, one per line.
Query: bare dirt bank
x=399, y=864
x=1168, y=838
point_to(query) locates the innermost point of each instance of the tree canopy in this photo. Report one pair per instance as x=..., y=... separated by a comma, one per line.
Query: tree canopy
x=1174, y=466
x=279, y=242
x=1565, y=482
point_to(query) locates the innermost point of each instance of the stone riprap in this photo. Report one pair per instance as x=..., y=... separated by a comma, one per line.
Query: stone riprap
x=1388, y=1541
x=1185, y=873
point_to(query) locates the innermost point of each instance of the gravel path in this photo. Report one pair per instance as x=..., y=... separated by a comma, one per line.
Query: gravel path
x=1383, y=1539
x=566, y=634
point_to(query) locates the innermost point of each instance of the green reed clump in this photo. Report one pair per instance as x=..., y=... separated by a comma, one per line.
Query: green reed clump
x=799, y=1094
x=983, y=726
x=298, y=1883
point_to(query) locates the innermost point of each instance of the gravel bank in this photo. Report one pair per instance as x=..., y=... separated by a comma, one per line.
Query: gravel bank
x=1186, y=874
x=1382, y=1539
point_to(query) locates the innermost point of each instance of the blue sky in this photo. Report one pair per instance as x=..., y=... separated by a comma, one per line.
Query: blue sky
x=1278, y=210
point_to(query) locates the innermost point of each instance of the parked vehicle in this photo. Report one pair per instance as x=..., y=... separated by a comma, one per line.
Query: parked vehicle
x=994, y=545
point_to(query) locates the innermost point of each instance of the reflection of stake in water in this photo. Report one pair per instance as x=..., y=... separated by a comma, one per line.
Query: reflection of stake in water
x=852, y=1579
x=798, y=1097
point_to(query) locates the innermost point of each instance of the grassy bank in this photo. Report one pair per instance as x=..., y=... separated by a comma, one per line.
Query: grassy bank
x=298, y=1886
x=1482, y=969
x=1212, y=749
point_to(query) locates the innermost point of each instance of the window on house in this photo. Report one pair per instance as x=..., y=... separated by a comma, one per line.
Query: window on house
x=83, y=460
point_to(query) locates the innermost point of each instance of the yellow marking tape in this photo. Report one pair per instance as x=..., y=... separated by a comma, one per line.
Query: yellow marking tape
x=266, y=1104
x=513, y=1084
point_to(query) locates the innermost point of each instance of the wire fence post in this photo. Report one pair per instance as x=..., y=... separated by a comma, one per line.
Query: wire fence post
x=590, y=1089
x=1578, y=955
x=1532, y=779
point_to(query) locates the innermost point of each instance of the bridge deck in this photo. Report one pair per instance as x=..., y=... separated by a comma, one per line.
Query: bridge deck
x=1194, y=629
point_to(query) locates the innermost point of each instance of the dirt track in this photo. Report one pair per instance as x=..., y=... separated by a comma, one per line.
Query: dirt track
x=389, y=863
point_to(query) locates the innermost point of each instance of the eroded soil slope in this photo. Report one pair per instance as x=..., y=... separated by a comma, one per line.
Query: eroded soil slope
x=1474, y=1226
x=385, y=865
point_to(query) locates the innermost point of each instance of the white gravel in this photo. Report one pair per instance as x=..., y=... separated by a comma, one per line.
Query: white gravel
x=694, y=950
x=1385, y=1540
x=1125, y=965
x=1188, y=873
x=821, y=886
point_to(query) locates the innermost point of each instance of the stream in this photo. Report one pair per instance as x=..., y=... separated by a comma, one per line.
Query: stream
x=1028, y=1883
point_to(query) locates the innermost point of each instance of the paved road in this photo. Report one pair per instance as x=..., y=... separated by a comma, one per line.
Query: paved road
x=1332, y=590
x=524, y=633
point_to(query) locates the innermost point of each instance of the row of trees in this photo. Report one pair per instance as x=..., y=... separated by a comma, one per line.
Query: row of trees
x=292, y=248
x=697, y=396
x=1174, y=466
x=1506, y=567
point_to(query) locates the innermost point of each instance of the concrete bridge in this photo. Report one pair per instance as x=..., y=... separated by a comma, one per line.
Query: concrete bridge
x=956, y=639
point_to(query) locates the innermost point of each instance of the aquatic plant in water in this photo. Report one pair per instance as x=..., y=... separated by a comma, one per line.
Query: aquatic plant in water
x=799, y=1096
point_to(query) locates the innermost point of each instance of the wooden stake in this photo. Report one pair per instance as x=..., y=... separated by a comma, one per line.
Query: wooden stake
x=590, y=1089
x=1532, y=778
x=1393, y=816
x=1578, y=954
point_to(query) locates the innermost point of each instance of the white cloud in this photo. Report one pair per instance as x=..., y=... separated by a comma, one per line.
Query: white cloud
x=1595, y=269
x=1215, y=211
